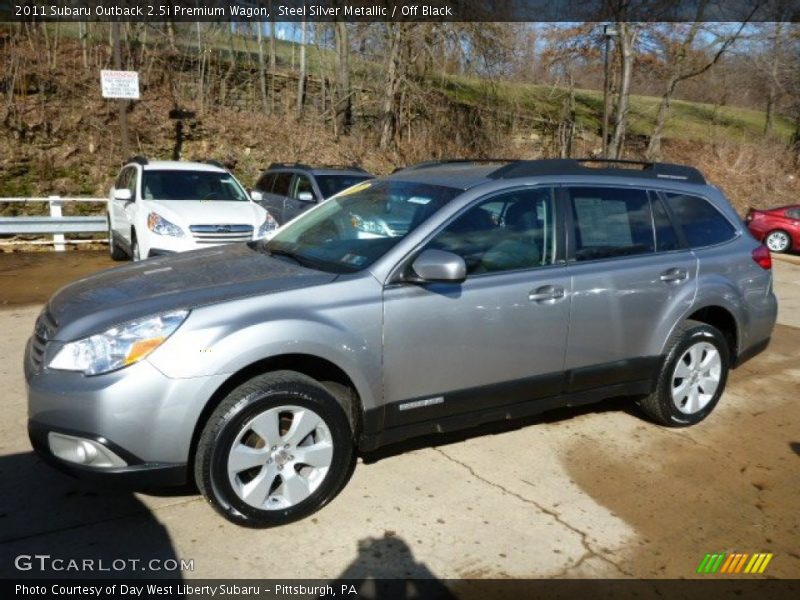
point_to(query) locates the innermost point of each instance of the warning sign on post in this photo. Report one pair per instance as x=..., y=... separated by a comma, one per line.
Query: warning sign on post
x=120, y=84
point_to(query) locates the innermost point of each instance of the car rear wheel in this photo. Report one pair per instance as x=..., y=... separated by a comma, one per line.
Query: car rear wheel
x=692, y=376
x=778, y=241
x=275, y=450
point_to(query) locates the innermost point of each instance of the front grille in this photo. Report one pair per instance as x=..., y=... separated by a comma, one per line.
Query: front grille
x=221, y=234
x=43, y=332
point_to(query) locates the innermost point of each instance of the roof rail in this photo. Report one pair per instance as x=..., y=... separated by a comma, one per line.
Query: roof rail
x=575, y=166
x=352, y=167
x=449, y=161
x=215, y=163
x=280, y=165
x=139, y=160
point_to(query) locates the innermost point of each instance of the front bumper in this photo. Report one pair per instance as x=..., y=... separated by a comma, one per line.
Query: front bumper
x=143, y=416
x=137, y=473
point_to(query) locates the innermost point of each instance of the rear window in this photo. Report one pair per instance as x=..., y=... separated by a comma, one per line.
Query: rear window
x=702, y=224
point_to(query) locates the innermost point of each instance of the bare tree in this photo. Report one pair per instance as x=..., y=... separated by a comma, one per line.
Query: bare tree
x=394, y=75
x=343, y=103
x=301, y=78
x=626, y=40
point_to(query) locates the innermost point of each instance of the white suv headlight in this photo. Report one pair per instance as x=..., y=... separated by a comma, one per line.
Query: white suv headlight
x=118, y=347
x=158, y=224
x=268, y=227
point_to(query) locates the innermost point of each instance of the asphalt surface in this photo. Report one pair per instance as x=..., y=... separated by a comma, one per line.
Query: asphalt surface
x=595, y=492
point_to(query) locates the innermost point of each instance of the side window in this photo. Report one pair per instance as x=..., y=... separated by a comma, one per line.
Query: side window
x=301, y=184
x=666, y=238
x=122, y=179
x=132, y=180
x=611, y=222
x=793, y=213
x=702, y=224
x=264, y=183
x=508, y=232
x=282, y=183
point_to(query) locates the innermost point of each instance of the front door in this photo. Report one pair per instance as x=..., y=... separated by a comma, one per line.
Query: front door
x=495, y=339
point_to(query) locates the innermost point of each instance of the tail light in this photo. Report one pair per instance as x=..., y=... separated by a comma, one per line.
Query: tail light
x=762, y=257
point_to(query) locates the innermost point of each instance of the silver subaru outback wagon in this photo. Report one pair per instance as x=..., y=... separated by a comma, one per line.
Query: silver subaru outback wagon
x=443, y=296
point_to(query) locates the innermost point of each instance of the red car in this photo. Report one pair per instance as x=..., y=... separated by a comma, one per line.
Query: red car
x=778, y=228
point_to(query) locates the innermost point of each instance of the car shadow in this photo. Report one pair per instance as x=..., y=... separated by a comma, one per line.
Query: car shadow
x=625, y=404
x=44, y=512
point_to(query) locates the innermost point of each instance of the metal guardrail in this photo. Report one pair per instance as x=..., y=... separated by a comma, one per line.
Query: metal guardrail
x=56, y=224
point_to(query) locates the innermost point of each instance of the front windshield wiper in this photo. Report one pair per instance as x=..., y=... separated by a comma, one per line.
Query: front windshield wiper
x=289, y=254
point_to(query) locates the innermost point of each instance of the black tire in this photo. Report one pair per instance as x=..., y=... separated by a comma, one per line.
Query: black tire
x=786, y=241
x=659, y=405
x=226, y=424
x=114, y=250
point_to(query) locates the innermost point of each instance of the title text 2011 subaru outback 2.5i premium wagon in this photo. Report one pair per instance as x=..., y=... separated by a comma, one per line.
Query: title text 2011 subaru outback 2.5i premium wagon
x=437, y=298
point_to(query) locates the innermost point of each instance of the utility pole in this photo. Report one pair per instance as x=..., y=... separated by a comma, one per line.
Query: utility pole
x=123, y=104
x=609, y=31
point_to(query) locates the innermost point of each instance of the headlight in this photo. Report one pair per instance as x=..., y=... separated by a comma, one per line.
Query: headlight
x=119, y=346
x=158, y=224
x=267, y=227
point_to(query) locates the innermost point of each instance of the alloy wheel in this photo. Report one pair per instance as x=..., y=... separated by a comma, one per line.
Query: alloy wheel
x=696, y=377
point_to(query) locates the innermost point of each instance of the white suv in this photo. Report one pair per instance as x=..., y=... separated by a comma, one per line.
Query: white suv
x=163, y=207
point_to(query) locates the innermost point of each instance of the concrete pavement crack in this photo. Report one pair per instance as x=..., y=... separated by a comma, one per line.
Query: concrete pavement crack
x=584, y=537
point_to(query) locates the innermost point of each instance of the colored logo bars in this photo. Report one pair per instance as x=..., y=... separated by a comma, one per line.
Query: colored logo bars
x=734, y=563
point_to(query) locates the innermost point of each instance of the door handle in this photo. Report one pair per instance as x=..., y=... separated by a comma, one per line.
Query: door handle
x=545, y=293
x=674, y=275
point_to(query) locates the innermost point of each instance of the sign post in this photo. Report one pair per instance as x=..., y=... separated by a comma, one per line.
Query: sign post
x=120, y=84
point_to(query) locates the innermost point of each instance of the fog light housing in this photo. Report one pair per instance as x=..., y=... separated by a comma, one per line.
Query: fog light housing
x=82, y=451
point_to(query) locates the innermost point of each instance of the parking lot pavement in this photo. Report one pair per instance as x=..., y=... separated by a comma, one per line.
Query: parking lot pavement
x=595, y=492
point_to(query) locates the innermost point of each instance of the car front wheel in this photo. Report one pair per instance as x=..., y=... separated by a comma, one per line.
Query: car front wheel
x=692, y=376
x=277, y=448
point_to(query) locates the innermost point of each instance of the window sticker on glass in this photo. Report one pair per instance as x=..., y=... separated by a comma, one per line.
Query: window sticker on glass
x=603, y=222
x=353, y=259
x=419, y=200
x=354, y=189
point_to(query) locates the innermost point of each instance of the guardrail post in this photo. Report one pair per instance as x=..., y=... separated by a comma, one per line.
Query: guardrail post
x=55, y=212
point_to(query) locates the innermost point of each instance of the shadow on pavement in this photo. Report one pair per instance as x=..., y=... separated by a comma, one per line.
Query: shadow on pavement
x=386, y=568
x=43, y=512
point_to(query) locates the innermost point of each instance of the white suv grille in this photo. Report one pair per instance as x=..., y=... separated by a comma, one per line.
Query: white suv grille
x=220, y=234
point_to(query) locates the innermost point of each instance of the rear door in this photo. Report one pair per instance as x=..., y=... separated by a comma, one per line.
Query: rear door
x=495, y=339
x=630, y=272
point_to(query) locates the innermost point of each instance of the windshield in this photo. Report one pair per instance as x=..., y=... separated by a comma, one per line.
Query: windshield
x=191, y=185
x=330, y=185
x=351, y=231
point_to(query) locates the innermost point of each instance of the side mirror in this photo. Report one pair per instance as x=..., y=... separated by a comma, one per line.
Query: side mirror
x=439, y=265
x=305, y=196
x=256, y=196
x=123, y=194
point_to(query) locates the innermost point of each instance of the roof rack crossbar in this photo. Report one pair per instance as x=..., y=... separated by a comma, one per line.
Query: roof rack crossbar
x=280, y=165
x=575, y=166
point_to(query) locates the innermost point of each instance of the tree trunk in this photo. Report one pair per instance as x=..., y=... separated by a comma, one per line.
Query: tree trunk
x=627, y=37
x=653, y=151
x=301, y=79
x=392, y=86
x=273, y=61
x=262, y=77
x=343, y=107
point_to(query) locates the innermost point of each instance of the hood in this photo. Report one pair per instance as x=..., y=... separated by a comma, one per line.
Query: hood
x=187, y=280
x=212, y=212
